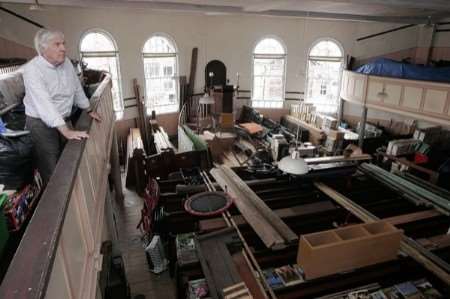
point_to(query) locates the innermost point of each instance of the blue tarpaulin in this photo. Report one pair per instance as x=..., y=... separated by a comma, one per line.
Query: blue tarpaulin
x=390, y=68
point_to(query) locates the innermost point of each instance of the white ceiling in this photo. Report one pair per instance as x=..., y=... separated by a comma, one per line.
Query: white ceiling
x=401, y=11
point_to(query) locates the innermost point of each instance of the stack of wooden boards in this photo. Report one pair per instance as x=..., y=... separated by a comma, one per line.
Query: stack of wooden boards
x=268, y=226
x=161, y=139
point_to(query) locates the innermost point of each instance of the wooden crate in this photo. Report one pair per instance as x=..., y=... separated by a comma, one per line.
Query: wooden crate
x=348, y=248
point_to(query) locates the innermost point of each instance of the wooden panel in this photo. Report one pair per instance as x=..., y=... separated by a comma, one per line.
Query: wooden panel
x=74, y=249
x=9, y=49
x=58, y=286
x=359, y=88
x=412, y=97
x=92, y=165
x=373, y=90
x=87, y=209
x=421, y=100
x=351, y=86
x=393, y=93
x=344, y=85
x=88, y=189
x=435, y=100
x=62, y=246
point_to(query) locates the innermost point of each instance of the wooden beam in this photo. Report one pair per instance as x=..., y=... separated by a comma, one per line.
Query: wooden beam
x=262, y=227
x=266, y=5
x=212, y=224
x=439, y=5
x=296, y=211
x=270, y=228
x=335, y=159
x=406, y=218
x=430, y=262
x=248, y=276
x=276, y=221
x=435, y=242
x=216, y=261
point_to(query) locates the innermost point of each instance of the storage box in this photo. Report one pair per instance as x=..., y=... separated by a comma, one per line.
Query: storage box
x=348, y=248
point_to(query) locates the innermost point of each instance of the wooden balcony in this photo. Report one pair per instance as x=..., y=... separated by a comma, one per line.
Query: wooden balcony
x=59, y=255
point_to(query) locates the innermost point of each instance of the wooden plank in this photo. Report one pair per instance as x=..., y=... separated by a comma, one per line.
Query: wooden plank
x=335, y=159
x=296, y=211
x=193, y=71
x=262, y=227
x=435, y=242
x=238, y=291
x=273, y=219
x=248, y=276
x=216, y=261
x=269, y=227
x=406, y=218
x=430, y=262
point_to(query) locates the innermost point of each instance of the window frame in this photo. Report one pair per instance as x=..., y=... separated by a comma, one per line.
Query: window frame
x=175, y=75
x=106, y=54
x=340, y=59
x=283, y=76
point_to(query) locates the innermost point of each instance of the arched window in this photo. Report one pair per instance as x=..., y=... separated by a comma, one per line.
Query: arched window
x=269, y=60
x=325, y=63
x=98, y=50
x=161, y=74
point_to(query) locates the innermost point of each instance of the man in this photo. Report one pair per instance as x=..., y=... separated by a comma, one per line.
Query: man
x=52, y=88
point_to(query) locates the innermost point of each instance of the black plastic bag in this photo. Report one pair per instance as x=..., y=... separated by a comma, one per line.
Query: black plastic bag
x=16, y=162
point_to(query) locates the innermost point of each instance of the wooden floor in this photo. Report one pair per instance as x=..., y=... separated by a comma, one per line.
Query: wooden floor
x=141, y=280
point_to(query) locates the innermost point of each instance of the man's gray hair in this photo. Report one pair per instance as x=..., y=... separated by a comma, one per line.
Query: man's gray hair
x=43, y=37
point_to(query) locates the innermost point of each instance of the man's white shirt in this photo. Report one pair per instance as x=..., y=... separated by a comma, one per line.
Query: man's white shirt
x=51, y=91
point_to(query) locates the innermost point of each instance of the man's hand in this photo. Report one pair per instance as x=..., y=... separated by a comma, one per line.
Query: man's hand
x=72, y=134
x=95, y=116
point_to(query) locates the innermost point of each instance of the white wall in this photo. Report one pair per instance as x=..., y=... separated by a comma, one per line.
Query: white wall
x=228, y=38
x=386, y=43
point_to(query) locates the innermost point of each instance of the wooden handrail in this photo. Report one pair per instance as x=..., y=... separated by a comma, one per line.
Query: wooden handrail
x=31, y=268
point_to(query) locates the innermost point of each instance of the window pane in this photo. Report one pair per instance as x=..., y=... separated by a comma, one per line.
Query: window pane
x=323, y=85
x=258, y=87
x=97, y=42
x=269, y=46
x=108, y=64
x=159, y=67
x=159, y=44
x=161, y=83
x=268, y=79
x=274, y=88
x=326, y=48
x=270, y=66
x=93, y=44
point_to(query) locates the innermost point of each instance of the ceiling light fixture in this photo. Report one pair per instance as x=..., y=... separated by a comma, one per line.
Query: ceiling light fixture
x=294, y=164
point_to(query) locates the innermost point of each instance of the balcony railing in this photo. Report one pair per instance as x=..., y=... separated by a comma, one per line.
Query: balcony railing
x=59, y=254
